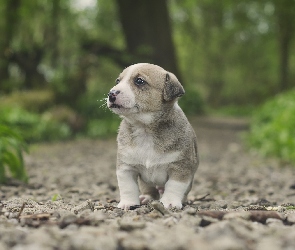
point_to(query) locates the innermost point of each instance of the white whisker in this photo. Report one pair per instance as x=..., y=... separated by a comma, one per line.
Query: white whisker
x=104, y=104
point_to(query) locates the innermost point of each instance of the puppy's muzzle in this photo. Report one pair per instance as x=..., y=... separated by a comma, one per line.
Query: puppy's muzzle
x=113, y=95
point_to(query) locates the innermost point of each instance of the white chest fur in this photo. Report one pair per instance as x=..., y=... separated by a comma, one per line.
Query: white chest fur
x=143, y=152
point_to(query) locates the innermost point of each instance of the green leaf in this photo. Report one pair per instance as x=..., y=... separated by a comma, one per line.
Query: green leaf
x=11, y=148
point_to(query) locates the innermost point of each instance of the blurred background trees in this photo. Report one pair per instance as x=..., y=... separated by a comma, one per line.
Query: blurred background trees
x=59, y=58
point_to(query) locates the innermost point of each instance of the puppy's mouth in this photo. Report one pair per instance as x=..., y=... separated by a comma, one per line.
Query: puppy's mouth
x=116, y=106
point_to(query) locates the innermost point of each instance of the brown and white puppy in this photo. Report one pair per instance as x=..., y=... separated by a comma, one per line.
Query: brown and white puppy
x=156, y=144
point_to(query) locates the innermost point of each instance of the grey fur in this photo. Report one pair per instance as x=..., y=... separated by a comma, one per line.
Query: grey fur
x=154, y=129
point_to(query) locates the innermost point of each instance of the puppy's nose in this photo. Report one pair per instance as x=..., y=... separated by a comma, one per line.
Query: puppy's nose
x=112, y=95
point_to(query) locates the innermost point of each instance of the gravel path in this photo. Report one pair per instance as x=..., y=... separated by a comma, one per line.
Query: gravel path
x=238, y=201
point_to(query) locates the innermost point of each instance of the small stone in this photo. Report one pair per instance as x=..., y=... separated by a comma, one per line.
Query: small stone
x=268, y=243
x=272, y=208
x=281, y=209
x=13, y=215
x=129, y=225
x=190, y=221
x=13, y=221
x=154, y=215
x=86, y=213
x=274, y=222
x=190, y=211
x=83, y=206
x=256, y=207
x=243, y=215
x=67, y=220
x=3, y=246
x=72, y=227
x=157, y=205
x=99, y=207
x=118, y=212
x=219, y=205
x=97, y=217
x=170, y=221
x=206, y=221
x=205, y=205
x=291, y=218
x=143, y=210
x=227, y=242
x=234, y=205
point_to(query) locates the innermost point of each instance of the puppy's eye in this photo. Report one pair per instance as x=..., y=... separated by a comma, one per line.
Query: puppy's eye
x=117, y=80
x=139, y=81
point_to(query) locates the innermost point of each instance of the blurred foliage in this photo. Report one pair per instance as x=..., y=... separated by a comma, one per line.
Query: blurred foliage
x=11, y=158
x=230, y=49
x=59, y=58
x=192, y=103
x=272, y=130
x=102, y=128
x=232, y=110
x=33, y=127
x=34, y=100
x=101, y=121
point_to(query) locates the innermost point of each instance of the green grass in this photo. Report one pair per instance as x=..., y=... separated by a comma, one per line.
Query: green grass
x=233, y=110
x=272, y=130
x=33, y=127
x=11, y=159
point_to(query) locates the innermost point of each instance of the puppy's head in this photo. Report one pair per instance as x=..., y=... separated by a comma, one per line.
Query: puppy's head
x=144, y=88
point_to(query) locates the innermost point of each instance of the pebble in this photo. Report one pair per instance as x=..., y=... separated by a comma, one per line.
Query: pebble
x=217, y=205
x=274, y=222
x=67, y=220
x=234, y=215
x=227, y=242
x=190, y=211
x=234, y=204
x=206, y=221
x=235, y=180
x=129, y=224
x=83, y=206
x=269, y=243
x=291, y=218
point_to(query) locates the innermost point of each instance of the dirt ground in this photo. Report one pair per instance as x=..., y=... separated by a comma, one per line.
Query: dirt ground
x=239, y=200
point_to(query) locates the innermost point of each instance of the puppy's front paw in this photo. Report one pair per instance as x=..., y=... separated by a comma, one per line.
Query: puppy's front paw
x=145, y=199
x=170, y=202
x=125, y=204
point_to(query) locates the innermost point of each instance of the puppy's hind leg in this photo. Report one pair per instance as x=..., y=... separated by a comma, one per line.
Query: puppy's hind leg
x=148, y=192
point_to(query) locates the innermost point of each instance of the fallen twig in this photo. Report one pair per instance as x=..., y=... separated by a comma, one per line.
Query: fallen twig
x=83, y=206
x=21, y=210
x=202, y=198
x=160, y=207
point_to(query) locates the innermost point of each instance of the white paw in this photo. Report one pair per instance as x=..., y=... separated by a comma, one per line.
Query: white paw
x=145, y=199
x=169, y=203
x=125, y=204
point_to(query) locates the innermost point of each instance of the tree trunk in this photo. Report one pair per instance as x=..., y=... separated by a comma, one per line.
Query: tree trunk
x=28, y=61
x=214, y=50
x=285, y=12
x=147, y=31
x=53, y=40
x=10, y=22
x=284, y=48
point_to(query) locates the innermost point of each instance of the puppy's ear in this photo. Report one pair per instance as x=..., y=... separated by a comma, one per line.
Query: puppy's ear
x=172, y=88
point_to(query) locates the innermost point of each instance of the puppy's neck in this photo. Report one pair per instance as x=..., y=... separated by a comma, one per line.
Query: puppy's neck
x=151, y=119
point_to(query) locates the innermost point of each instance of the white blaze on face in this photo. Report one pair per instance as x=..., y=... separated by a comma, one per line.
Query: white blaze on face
x=126, y=97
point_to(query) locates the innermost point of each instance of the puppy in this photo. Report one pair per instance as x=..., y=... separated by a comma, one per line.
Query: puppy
x=157, y=148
